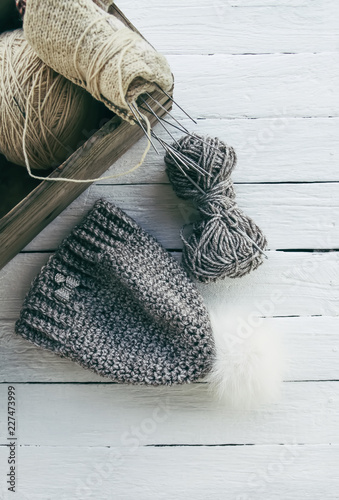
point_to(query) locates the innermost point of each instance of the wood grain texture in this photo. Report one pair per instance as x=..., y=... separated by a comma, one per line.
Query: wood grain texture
x=237, y=27
x=271, y=91
x=184, y=473
x=279, y=149
x=48, y=199
x=306, y=413
x=291, y=215
x=261, y=86
x=37, y=208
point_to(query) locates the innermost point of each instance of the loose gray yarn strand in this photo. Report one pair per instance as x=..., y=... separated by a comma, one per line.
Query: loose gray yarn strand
x=224, y=241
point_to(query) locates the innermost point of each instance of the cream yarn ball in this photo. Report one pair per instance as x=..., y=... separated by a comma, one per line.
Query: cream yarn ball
x=41, y=112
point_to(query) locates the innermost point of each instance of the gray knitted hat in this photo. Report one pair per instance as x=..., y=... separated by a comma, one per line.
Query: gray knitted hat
x=115, y=301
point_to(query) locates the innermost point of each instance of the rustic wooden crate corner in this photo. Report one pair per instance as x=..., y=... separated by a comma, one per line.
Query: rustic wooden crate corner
x=29, y=206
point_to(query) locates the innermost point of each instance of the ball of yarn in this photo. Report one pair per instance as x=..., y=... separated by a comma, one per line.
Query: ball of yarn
x=224, y=241
x=42, y=114
x=96, y=51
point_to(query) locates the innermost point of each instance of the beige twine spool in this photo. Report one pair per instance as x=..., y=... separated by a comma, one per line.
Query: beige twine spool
x=42, y=114
x=96, y=51
x=38, y=107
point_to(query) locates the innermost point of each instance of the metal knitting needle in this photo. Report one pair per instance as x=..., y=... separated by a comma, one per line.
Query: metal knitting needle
x=171, y=98
x=165, y=146
x=172, y=154
x=195, y=136
x=252, y=241
x=183, y=158
x=152, y=132
x=204, y=142
x=203, y=192
x=187, y=176
x=150, y=110
x=176, y=154
x=196, y=166
x=169, y=114
x=143, y=128
x=180, y=126
x=187, y=162
x=175, y=126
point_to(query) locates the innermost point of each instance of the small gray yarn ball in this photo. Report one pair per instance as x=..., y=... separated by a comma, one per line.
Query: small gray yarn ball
x=224, y=241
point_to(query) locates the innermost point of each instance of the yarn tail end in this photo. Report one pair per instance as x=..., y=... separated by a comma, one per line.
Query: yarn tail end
x=249, y=360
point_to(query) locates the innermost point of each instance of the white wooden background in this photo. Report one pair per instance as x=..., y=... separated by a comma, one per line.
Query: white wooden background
x=264, y=76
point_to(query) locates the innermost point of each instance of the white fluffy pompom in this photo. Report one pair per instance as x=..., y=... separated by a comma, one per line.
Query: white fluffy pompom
x=248, y=365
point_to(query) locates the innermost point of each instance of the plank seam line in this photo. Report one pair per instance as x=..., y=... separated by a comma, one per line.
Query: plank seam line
x=172, y=445
x=175, y=52
x=318, y=251
x=264, y=183
x=117, y=384
x=244, y=54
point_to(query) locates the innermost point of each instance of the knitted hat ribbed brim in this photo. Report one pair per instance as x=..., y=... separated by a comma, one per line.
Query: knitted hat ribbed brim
x=115, y=301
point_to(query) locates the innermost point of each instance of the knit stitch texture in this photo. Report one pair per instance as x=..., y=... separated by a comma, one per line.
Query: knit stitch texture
x=114, y=300
x=96, y=51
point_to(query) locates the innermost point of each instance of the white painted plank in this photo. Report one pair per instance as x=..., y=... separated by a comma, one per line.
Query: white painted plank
x=288, y=283
x=311, y=345
x=291, y=215
x=225, y=26
x=241, y=473
x=21, y=361
x=262, y=86
x=77, y=418
x=306, y=413
x=280, y=149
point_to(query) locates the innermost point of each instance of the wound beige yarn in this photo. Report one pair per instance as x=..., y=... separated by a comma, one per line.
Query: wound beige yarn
x=42, y=114
x=96, y=51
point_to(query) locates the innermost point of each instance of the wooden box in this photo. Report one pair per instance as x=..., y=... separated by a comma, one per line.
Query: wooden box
x=27, y=206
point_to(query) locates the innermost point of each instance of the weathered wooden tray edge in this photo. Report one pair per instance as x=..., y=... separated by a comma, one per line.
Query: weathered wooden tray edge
x=34, y=212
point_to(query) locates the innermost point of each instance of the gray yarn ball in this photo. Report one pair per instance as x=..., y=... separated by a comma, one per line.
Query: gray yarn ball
x=224, y=241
